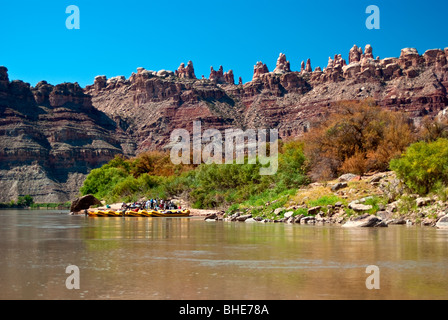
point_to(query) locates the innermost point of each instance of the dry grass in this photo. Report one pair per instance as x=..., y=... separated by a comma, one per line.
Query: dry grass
x=354, y=191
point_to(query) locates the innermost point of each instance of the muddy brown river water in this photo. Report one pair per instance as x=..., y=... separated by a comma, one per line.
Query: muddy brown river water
x=188, y=258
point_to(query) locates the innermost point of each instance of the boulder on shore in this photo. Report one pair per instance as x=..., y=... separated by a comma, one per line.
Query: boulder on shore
x=211, y=216
x=365, y=221
x=338, y=186
x=84, y=202
x=443, y=222
x=358, y=207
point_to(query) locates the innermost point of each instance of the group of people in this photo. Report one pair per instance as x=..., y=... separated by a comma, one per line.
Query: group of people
x=152, y=204
x=161, y=204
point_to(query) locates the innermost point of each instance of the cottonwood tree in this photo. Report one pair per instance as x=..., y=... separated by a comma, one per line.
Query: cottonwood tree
x=357, y=137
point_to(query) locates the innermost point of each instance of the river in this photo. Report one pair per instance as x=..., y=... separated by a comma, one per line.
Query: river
x=189, y=258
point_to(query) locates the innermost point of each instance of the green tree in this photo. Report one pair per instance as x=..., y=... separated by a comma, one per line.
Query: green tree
x=292, y=166
x=101, y=181
x=423, y=165
x=25, y=201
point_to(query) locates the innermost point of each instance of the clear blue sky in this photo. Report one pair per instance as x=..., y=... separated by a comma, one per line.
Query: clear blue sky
x=116, y=37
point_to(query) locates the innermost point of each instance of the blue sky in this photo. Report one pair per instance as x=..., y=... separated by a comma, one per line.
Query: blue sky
x=116, y=37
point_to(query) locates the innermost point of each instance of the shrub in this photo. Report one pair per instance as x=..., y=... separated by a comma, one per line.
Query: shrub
x=358, y=137
x=101, y=181
x=424, y=166
x=25, y=201
x=301, y=211
x=433, y=129
x=292, y=165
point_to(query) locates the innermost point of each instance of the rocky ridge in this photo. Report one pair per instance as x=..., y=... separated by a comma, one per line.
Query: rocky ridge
x=52, y=136
x=290, y=101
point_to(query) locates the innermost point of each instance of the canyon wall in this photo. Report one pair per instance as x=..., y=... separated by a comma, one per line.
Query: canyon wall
x=52, y=136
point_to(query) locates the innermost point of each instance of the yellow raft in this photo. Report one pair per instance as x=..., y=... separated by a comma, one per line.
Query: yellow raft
x=104, y=213
x=140, y=213
x=171, y=213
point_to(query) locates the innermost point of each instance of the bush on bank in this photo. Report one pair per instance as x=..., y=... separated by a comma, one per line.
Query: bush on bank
x=424, y=166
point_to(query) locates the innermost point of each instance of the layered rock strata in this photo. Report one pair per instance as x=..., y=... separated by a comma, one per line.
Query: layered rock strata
x=51, y=137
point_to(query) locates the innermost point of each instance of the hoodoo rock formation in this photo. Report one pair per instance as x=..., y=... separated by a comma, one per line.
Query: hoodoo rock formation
x=282, y=66
x=51, y=136
x=259, y=69
x=355, y=54
x=221, y=77
x=308, y=66
x=185, y=72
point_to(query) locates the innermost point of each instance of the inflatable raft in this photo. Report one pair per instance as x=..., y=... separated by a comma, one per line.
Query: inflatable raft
x=104, y=213
x=171, y=213
x=140, y=213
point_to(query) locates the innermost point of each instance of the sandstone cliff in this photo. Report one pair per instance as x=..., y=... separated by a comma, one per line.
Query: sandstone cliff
x=52, y=136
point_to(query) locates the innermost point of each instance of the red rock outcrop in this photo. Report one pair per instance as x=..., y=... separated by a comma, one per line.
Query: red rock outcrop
x=368, y=52
x=221, y=77
x=354, y=54
x=229, y=77
x=291, y=100
x=217, y=76
x=282, y=65
x=186, y=72
x=259, y=69
x=51, y=137
x=308, y=66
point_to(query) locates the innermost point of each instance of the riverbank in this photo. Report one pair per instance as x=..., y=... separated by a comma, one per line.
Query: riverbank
x=375, y=200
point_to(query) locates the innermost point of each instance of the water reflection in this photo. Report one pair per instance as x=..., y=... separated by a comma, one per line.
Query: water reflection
x=187, y=258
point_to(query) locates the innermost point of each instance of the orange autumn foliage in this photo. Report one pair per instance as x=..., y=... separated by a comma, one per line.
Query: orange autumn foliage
x=156, y=163
x=358, y=137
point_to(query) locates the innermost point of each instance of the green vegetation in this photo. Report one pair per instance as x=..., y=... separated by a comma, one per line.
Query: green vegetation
x=51, y=205
x=325, y=201
x=207, y=186
x=424, y=166
x=375, y=202
x=22, y=202
x=27, y=201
